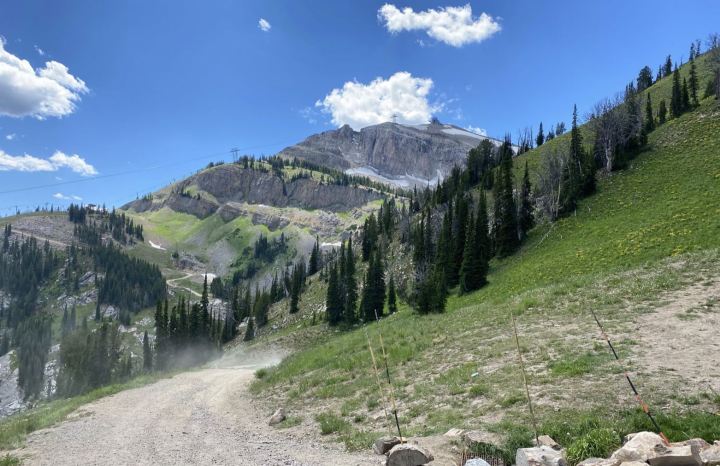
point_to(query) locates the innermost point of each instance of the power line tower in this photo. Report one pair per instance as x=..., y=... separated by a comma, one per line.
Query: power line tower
x=395, y=116
x=235, y=152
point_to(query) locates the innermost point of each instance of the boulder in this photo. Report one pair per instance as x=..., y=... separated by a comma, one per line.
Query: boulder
x=278, y=417
x=476, y=462
x=385, y=444
x=633, y=463
x=640, y=447
x=539, y=456
x=599, y=462
x=711, y=455
x=700, y=443
x=687, y=455
x=408, y=455
x=547, y=441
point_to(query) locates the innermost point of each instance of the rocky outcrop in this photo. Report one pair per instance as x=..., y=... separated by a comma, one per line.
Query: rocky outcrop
x=397, y=154
x=233, y=183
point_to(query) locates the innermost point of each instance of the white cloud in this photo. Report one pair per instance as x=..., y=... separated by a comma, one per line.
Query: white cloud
x=73, y=162
x=264, y=25
x=29, y=163
x=24, y=163
x=10, y=136
x=50, y=91
x=476, y=130
x=454, y=26
x=401, y=97
x=63, y=197
x=40, y=51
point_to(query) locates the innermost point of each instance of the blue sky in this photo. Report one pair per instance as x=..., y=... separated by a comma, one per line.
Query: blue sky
x=127, y=96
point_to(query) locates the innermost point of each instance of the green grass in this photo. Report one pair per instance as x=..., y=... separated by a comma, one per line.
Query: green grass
x=650, y=229
x=14, y=429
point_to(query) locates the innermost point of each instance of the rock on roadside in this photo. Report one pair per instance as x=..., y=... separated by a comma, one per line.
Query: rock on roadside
x=408, y=455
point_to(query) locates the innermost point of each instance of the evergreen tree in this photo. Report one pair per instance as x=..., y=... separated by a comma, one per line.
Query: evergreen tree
x=350, y=285
x=540, y=136
x=505, y=225
x=249, y=330
x=676, y=100
x=469, y=274
x=644, y=79
x=314, y=264
x=693, y=84
x=147, y=353
x=333, y=301
x=526, y=219
x=662, y=112
x=667, y=67
x=685, y=96
x=392, y=298
x=457, y=239
x=649, y=118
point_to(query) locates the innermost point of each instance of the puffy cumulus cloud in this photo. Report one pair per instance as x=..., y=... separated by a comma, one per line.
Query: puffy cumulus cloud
x=264, y=25
x=73, y=162
x=63, y=197
x=10, y=136
x=401, y=97
x=454, y=26
x=50, y=91
x=29, y=163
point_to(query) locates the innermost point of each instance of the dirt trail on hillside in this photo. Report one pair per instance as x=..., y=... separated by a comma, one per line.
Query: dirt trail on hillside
x=173, y=284
x=680, y=338
x=200, y=417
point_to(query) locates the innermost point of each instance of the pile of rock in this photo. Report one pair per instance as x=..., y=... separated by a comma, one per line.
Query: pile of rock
x=640, y=449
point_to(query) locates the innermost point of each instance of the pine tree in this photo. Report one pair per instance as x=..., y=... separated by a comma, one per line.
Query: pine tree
x=676, y=100
x=685, y=96
x=205, y=317
x=147, y=353
x=457, y=239
x=314, y=264
x=649, y=118
x=295, y=289
x=333, y=300
x=693, y=84
x=350, y=285
x=540, y=136
x=505, y=227
x=469, y=272
x=668, y=67
x=249, y=330
x=392, y=298
x=644, y=79
x=662, y=112
x=526, y=219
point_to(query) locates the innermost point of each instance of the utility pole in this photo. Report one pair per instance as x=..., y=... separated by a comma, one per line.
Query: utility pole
x=234, y=152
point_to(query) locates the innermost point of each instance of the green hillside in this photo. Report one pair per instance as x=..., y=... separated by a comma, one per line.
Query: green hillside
x=638, y=246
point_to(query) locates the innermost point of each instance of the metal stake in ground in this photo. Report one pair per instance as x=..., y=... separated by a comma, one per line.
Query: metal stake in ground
x=522, y=369
x=639, y=399
x=377, y=379
x=387, y=374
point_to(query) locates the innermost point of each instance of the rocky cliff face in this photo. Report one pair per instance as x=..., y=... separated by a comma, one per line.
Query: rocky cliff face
x=233, y=183
x=393, y=153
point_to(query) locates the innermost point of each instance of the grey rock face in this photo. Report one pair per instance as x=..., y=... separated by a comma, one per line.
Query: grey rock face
x=232, y=183
x=402, y=155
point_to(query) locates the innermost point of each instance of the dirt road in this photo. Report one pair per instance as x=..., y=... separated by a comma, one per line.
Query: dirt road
x=200, y=417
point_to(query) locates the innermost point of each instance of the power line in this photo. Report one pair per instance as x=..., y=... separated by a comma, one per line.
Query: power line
x=137, y=170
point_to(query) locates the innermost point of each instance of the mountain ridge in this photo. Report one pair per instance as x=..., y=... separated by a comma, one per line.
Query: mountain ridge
x=395, y=154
